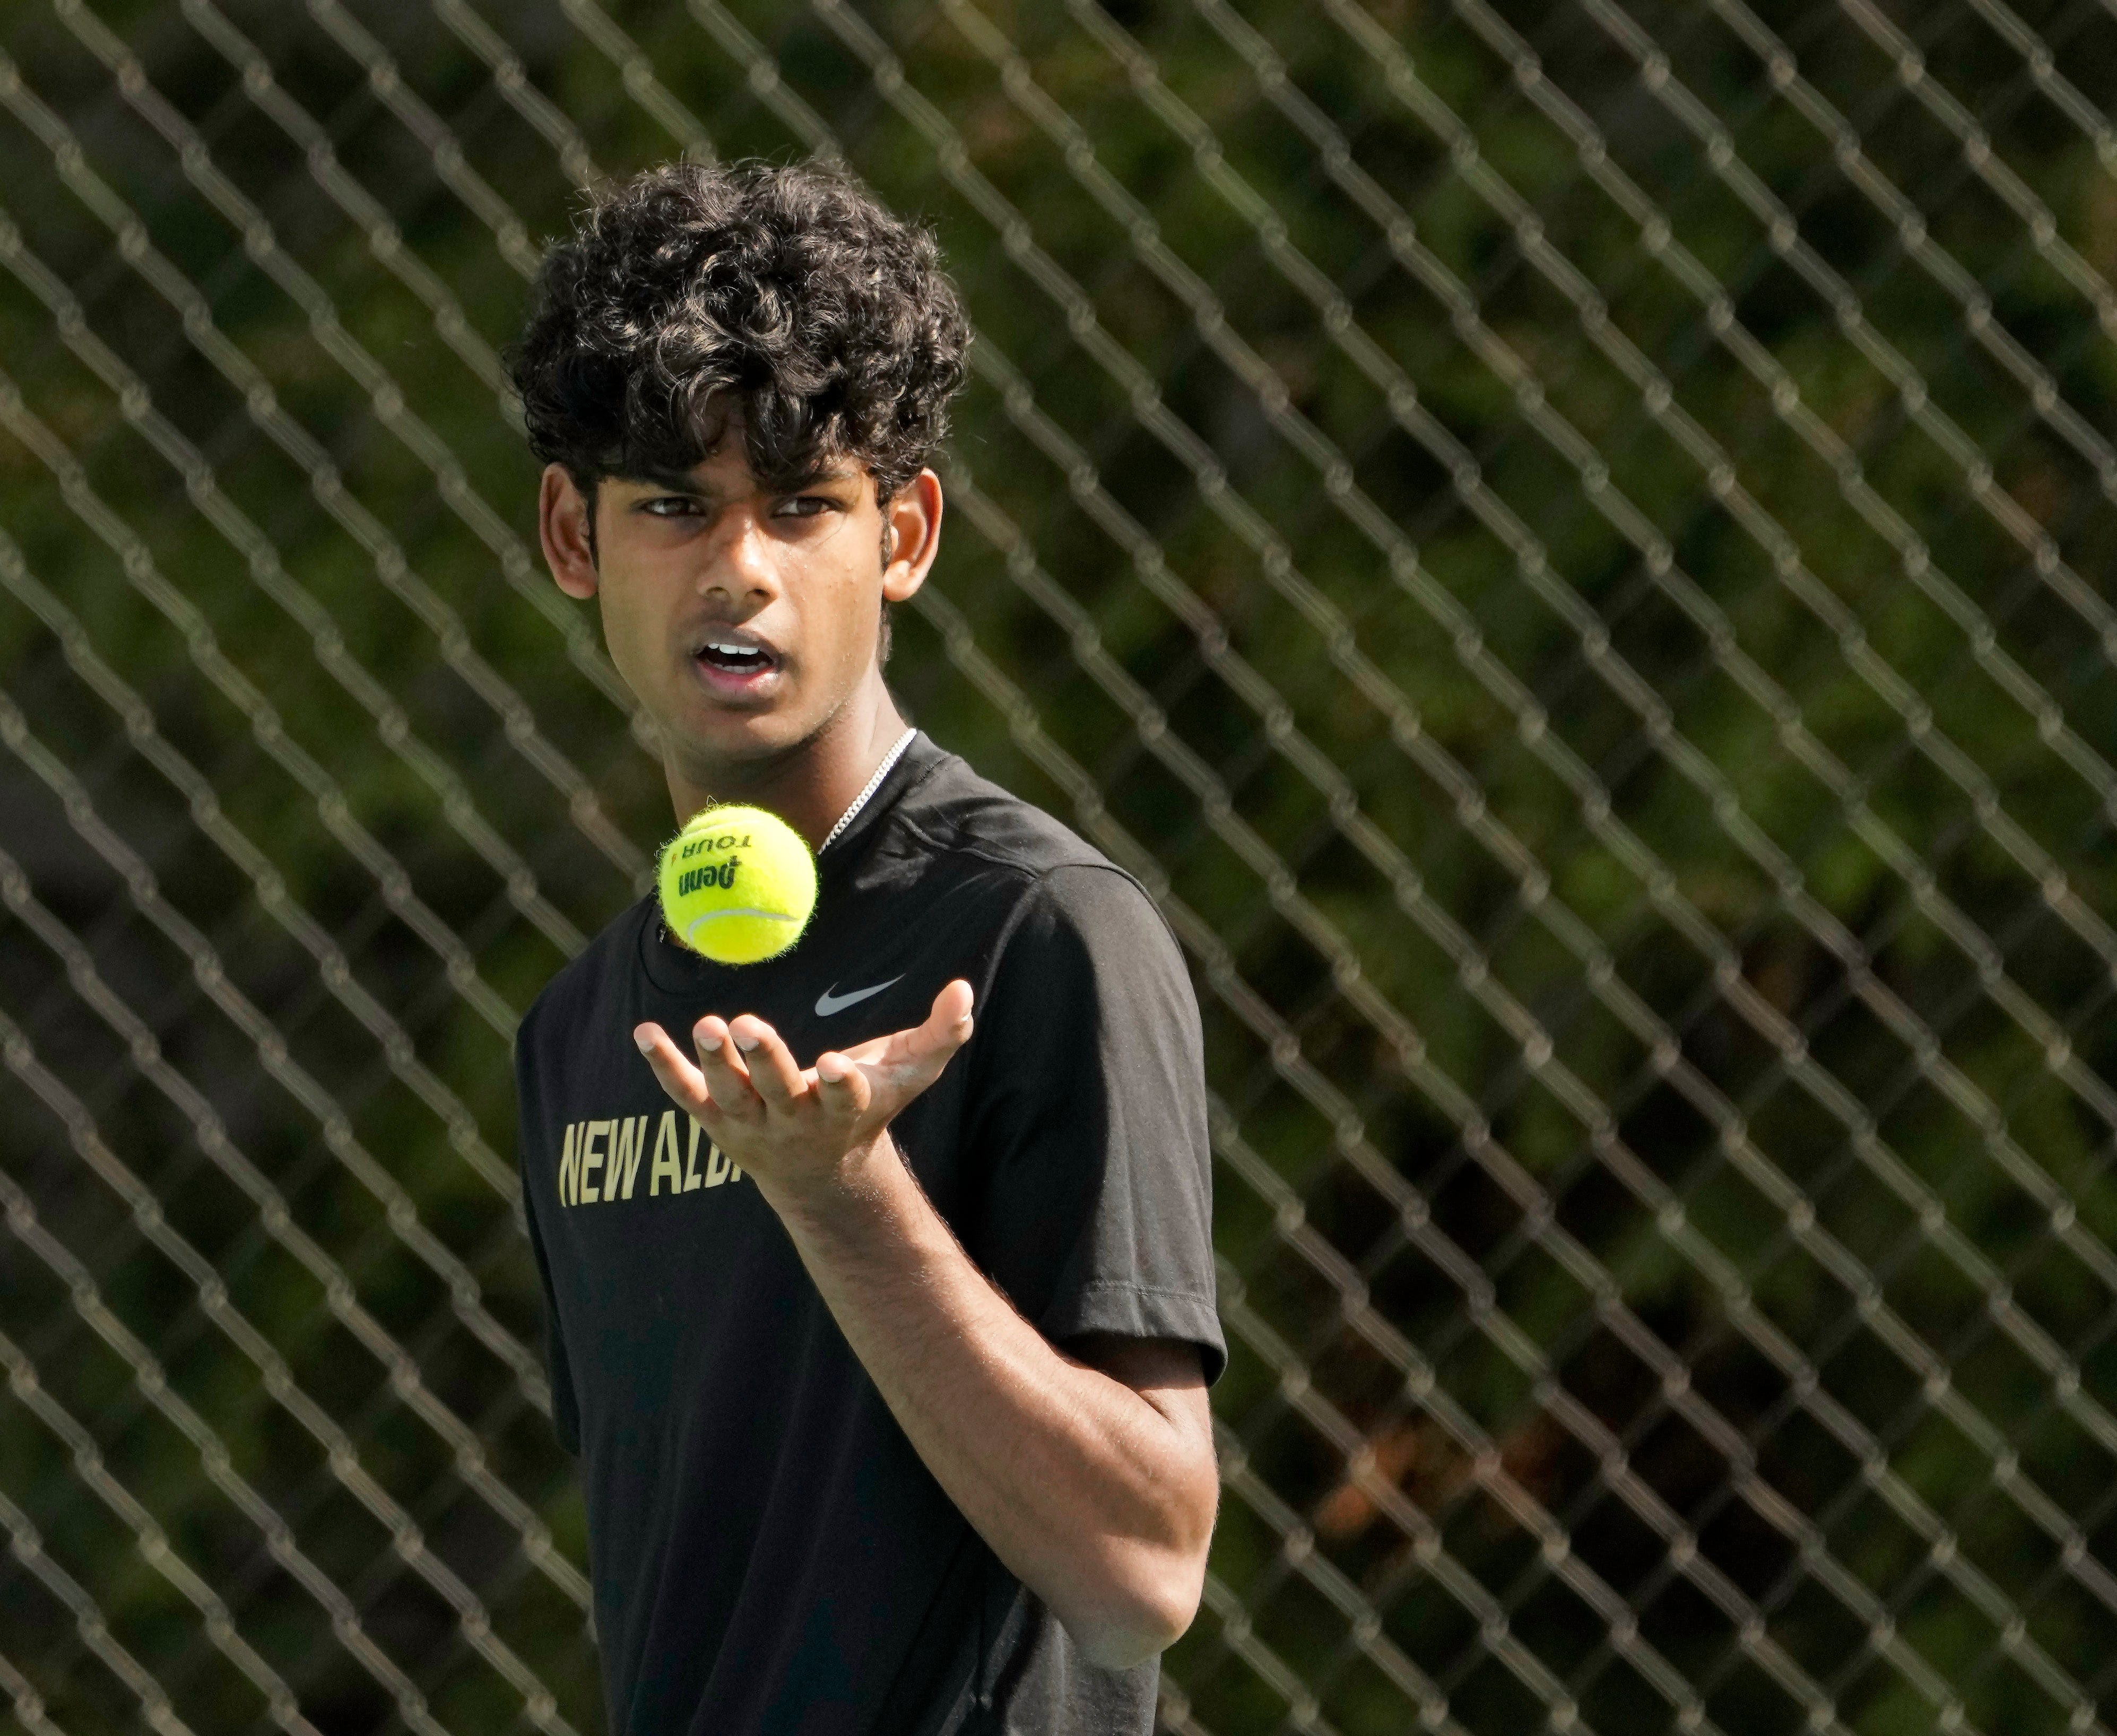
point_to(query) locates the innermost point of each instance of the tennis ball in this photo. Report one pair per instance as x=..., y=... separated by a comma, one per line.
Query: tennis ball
x=737, y=884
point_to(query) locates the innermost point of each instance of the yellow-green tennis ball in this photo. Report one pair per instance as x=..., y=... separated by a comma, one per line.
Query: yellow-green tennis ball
x=737, y=884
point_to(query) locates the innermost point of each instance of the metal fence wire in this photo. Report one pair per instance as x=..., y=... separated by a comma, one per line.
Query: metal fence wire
x=1567, y=542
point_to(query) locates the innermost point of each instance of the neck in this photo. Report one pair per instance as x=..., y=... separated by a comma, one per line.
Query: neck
x=810, y=785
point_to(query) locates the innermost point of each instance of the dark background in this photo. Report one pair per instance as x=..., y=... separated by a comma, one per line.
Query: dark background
x=1570, y=544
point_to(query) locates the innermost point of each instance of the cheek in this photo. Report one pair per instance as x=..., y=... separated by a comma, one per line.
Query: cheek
x=628, y=631
x=847, y=618
x=858, y=626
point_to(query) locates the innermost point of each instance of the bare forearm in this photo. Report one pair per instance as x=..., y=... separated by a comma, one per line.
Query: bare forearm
x=1096, y=1499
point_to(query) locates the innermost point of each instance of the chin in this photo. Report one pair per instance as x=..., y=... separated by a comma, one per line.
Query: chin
x=739, y=737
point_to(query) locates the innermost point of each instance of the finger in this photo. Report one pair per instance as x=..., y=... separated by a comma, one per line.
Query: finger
x=773, y=1073
x=951, y=1013
x=727, y=1080
x=842, y=1087
x=685, y=1085
x=927, y=1047
x=947, y=1027
x=912, y=1059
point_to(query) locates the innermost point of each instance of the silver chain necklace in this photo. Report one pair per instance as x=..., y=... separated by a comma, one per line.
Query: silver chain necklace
x=846, y=819
x=874, y=783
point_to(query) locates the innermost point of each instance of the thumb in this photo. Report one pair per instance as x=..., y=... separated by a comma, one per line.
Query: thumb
x=906, y=1064
x=922, y=1053
x=949, y=1023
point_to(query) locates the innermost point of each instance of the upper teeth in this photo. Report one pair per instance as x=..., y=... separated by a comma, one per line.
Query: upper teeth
x=734, y=650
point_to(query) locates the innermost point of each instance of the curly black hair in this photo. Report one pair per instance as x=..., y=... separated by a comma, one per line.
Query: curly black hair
x=783, y=297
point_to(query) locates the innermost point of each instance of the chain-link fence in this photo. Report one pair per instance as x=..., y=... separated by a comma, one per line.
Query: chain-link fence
x=1568, y=543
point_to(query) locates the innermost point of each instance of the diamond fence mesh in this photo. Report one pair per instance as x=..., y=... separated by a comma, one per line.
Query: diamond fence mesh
x=1569, y=545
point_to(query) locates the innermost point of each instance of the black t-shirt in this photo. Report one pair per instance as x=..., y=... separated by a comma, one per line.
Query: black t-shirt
x=769, y=1553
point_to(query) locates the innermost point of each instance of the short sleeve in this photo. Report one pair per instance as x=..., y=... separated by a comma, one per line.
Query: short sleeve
x=1087, y=1121
x=565, y=1407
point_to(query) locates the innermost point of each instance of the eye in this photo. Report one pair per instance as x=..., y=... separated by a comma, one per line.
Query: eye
x=667, y=505
x=804, y=506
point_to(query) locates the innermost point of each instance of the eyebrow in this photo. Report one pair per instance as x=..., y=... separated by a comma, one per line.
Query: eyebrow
x=679, y=482
x=670, y=482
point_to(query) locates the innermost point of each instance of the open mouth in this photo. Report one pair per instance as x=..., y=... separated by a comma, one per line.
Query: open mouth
x=732, y=659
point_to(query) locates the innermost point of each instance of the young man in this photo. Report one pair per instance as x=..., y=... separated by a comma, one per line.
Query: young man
x=879, y=1276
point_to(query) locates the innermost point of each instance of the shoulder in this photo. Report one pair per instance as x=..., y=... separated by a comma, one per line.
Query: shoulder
x=950, y=809
x=1073, y=933
x=967, y=826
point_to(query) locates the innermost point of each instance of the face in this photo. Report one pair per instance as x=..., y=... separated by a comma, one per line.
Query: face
x=746, y=621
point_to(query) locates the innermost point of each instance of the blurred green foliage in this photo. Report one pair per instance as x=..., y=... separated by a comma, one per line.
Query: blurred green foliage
x=1569, y=543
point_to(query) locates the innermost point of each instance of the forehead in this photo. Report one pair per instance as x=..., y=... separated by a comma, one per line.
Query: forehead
x=725, y=473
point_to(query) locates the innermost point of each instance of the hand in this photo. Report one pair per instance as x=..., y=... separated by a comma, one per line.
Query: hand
x=801, y=1134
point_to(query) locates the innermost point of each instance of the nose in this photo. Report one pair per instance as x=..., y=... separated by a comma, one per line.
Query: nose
x=736, y=556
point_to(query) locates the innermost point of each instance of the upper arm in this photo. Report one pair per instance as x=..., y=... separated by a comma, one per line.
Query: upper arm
x=1089, y=1116
x=533, y=1161
x=1169, y=1374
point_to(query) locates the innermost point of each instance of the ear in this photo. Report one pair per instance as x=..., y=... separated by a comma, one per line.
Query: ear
x=569, y=538
x=914, y=517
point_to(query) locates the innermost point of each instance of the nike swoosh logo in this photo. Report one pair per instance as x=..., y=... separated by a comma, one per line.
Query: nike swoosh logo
x=829, y=1001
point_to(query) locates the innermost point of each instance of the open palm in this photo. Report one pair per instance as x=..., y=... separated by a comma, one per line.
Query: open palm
x=794, y=1128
